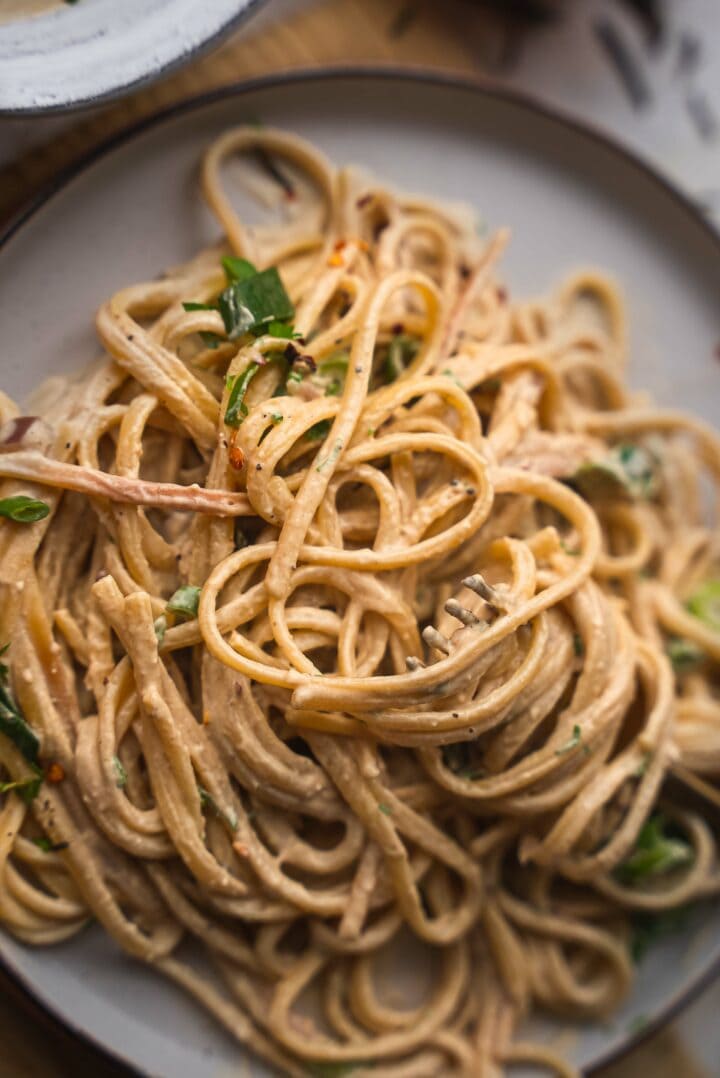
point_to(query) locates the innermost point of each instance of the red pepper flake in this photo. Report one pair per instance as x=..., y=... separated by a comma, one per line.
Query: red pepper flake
x=501, y=294
x=55, y=773
x=236, y=457
x=364, y=200
x=235, y=453
x=339, y=244
x=241, y=849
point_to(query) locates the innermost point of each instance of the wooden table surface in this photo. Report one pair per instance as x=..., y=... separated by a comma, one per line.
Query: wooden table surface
x=288, y=34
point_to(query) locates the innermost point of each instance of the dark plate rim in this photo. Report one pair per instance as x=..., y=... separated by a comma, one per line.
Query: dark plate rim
x=423, y=76
x=76, y=104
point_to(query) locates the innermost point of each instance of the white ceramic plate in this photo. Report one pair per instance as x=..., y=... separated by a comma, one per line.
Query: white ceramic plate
x=570, y=197
x=86, y=51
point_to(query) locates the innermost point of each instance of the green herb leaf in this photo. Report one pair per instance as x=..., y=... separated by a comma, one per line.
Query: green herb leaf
x=12, y=722
x=120, y=773
x=23, y=510
x=160, y=627
x=338, y=361
x=253, y=302
x=683, y=654
x=385, y=808
x=276, y=418
x=705, y=604
x=572, y=742
x=319, y=431
x=47, y=846
x=185, y=601
x=238, y=269
x=283, y=329
x=192, y=306
x=237, y=408
x=655, y=853
x=400, y=351
x=628, y=471
x=332, y=372
x=27, y=788
x=207, y=800
x=211, y=340
x=578, y=646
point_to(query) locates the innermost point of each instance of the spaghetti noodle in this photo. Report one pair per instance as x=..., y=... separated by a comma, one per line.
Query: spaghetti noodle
x=366, y=614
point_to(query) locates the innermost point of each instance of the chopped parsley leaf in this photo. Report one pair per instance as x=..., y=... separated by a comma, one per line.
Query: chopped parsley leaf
x=23, y=510
x=237, y=408
x=655, y=853
x=185, y=601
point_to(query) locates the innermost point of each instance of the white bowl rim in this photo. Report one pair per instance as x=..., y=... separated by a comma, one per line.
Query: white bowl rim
x=78, y=96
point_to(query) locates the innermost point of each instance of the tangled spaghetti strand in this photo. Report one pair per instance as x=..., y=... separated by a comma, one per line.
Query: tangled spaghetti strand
x=344, y=643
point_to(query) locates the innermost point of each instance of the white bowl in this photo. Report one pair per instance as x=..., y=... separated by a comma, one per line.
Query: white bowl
x=87, y=51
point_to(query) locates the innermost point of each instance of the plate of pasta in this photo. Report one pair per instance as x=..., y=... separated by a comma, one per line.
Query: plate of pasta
x=360, y=588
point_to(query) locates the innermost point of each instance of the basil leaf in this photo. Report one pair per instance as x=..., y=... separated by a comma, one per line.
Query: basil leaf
x=319, y=431
x=211, y=340
x=47, y=846
x=23, y=510
x=191, y=306
x=185, y=601
x=12, y=722
x=655, y=853
x=238, y=269
x=705, y=604
x=27, y=788
x=236, y=407
x=628, y=471
x=283, y=329
x=254, y=301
